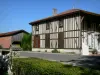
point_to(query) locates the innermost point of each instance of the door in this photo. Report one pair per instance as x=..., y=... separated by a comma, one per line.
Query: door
x=36, y=41
x=61, y=40
x=47, y=40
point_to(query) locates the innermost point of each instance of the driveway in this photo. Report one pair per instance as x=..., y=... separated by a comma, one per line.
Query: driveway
x=51, y=56
x=76, y=60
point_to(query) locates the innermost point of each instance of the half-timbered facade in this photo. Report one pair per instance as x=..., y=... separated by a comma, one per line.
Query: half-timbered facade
x=72, y=31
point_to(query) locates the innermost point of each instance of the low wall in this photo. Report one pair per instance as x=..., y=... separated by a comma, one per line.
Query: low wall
x=76, y=51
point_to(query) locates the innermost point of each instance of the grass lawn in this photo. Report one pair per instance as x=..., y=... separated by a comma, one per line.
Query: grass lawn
x=35, y=66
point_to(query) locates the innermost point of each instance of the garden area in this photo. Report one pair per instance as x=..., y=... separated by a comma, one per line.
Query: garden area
x=36, y=66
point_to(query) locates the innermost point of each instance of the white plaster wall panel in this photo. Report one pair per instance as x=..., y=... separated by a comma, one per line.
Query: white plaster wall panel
x=76, y=33
x=55, y=26
x=69, y=23
x=69, y=43
x=44, y=28
x=51, y=36
x=76, y=23
x=42, y=43
x=96, y=42
x=73, y=34
x=78, y=40
x=54, y=36
x=53, y=41
x=66, y=26
x=33, y=31
x=40, y=29
x=56, y=46
x=61, y=29
x=65, y=34
x=41, y=46
x=64, y=43
x=51, y=44
x=37, y=32
x=68, y=34
x=42, y=36
x=75, y=40
x=47, y=31
x=72, y=23
x=51, y=27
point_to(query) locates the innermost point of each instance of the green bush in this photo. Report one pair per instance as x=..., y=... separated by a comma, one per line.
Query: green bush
x=1, y=47
x=26, y=42
x=94, y=51
x=55, y=51
x=34, y=66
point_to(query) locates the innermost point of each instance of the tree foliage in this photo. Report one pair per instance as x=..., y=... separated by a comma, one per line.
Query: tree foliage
x=1, y=47
x=26, y=42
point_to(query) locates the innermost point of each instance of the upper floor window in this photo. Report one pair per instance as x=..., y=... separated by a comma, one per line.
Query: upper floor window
x=48, y=25
x=37, y=27
x=61, y=23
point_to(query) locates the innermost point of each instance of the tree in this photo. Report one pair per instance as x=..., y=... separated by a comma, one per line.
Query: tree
x=26, y=42
x=1, y=47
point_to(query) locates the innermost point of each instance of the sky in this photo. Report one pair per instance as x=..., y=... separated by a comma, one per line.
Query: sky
x=17, y=14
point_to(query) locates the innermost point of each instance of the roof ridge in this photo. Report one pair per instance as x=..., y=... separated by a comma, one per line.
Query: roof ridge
x=12, y=33
x=68, y=12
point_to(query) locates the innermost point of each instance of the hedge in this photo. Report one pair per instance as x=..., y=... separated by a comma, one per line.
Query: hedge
x=35, y=66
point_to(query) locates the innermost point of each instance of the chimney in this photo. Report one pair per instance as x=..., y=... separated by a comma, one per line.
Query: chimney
x=54, y=11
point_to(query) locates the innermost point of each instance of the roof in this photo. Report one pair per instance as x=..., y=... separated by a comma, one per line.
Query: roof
x=68, y=12
x=12, y=33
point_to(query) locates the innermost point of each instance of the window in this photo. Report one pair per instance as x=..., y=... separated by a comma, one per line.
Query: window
x=37, y=28
x=61, y=22
x=48, y=25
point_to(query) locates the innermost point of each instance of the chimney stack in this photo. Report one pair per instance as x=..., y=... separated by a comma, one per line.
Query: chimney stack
x=54, y=11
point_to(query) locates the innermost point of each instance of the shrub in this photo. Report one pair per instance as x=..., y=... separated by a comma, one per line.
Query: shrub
x=94, y=51
x=45, y=50
x=1, y=47
x=55, y=51
x=34, y=66
x=26, y=42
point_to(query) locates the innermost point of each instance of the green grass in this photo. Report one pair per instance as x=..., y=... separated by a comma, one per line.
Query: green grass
x=35, y=66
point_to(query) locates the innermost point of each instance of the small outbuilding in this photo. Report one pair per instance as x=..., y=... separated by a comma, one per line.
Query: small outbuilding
x=12, y=40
